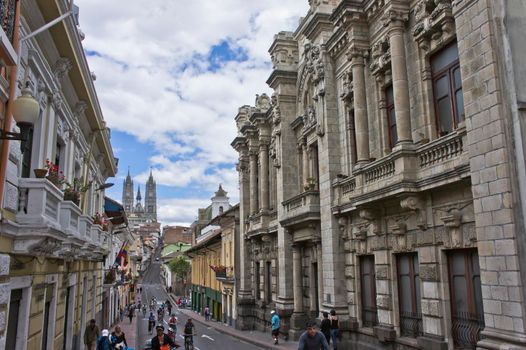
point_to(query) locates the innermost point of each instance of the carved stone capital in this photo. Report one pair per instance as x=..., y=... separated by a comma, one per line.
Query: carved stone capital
x=79, y=108
x=62, y=67
x=416, y=205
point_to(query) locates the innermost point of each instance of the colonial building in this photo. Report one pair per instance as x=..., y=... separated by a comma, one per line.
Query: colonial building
x=212, y=254
x=52, y=247
x=384, y=178
x=137, y=212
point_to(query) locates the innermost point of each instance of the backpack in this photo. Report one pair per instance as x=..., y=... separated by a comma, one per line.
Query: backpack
x=103, y=343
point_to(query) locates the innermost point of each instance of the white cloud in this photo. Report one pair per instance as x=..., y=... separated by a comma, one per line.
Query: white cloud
x=153, y=80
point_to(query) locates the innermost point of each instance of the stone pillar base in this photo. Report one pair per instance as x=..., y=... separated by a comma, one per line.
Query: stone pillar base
x=430, y=342
x=297, y=325
x=494, y=339
x=384, y=333
x=245, y=319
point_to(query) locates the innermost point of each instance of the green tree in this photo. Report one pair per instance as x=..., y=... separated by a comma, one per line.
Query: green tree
x=180, y=266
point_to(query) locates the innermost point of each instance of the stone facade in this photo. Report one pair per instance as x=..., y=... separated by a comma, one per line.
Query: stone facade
x=383, y=178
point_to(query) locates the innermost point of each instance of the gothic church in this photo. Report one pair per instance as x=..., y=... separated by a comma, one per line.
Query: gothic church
x=138, y=213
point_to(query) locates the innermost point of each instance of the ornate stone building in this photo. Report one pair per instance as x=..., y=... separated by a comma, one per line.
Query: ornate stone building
x=138, y=213
x=384, y=178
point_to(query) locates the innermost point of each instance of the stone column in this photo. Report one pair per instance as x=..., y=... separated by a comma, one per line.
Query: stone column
x=360, y=106
x=298, y=283
x=313, y=299
x=399, y=72
x=253, y=161
x=305, y=161
x=320, y=272
x=264, y=175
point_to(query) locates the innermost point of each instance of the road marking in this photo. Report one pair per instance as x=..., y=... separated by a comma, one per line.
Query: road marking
x=206, y=336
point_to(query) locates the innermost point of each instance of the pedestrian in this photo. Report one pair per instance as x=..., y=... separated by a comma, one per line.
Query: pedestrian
x=151, y=322
x=121, y=313
x=162, y=341
x=275, y=324
x=130, y=314
x=207, y=313
x=172, y=323
x=118, y=339
x=335, y=328
x=104, y=342
x=312, y=339
x=91, y=335
x=325, y=327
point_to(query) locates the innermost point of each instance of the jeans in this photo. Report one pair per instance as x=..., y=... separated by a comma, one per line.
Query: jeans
x=334, y=336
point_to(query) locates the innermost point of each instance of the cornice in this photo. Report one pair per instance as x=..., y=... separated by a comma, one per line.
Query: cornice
x=279, y=76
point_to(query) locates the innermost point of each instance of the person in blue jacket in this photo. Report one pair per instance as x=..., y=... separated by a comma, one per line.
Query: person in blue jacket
x=275, y=326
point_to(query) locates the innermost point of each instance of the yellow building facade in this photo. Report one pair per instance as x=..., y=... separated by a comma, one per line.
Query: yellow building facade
x=52, y=251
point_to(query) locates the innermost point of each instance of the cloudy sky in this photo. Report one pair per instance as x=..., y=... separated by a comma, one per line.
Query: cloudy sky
x=171, y=75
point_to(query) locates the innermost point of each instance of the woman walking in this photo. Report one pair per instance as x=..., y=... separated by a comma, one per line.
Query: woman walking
x=118, y=339
x=335, y=328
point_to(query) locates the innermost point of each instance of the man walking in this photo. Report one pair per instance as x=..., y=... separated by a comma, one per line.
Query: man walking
x=312, y=339
x=91, y=335
x=207, y=313
x=275, y=326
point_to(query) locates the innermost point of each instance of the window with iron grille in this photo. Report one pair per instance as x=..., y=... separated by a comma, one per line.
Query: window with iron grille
x=391, y=115
x=467, y=312
x=368, y=289
x=447, y=89
x=409, y=295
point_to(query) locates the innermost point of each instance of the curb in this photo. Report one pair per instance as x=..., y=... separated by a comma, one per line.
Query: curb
x=234, y=334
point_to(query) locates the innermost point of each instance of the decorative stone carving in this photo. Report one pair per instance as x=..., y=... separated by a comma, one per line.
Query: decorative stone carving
x=262, y=102
x=399, y=230
x=416, y=205
x=347, y=87
x=381, y=57
x=372, y=217
x=56, y=100
x=79, y=109
x=62, y=67
x=309, y=119
x=452, y=218
x=435, y=23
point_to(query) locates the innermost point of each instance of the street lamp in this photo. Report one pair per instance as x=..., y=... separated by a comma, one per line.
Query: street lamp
x=25, y=114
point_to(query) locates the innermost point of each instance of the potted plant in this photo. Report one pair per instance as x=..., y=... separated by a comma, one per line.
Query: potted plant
x=73, y=190
x=40, y=173
x=53, y=174
x=98, y=219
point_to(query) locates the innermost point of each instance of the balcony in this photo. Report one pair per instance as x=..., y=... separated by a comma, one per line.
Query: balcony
x=301, y=208
x=226, y=275
x=408, y=169
x=47, y=225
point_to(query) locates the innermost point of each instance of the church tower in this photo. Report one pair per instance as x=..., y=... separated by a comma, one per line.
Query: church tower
x=150, y=198
x=138, y=207
x=127, y=193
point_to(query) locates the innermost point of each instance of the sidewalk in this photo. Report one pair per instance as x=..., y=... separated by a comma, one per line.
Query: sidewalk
x=258, y=338
x=130, y=330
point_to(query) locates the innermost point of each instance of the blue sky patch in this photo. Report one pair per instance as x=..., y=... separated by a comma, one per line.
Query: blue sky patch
x=223, y=53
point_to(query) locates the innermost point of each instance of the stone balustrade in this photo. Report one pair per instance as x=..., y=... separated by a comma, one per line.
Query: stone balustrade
x=61, y=227
x=303, y=207
x=408, y=169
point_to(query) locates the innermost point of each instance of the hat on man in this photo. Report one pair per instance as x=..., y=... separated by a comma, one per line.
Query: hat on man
x=160, y=327
x=105, y=333
x=272, y=312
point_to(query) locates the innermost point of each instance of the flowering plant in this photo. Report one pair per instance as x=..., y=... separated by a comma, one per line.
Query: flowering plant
x=53, y=173
x=218, y=268
x=77, y=186
x=99, y=219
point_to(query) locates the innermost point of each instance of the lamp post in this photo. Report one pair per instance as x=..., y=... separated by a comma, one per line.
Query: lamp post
x=25, y=113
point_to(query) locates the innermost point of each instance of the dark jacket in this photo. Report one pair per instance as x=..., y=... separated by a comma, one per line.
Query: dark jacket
x=325, y=326
x=167, y=340
x=91, y=334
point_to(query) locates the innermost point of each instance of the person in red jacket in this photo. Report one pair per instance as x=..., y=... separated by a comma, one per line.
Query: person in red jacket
x=162, y=341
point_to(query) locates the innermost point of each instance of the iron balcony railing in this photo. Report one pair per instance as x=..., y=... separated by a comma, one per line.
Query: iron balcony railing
x=466, y=328
x=411, y=324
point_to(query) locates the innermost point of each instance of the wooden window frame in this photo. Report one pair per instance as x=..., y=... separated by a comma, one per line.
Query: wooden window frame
x=452, y=91
x=372, y=288
x=416, y=328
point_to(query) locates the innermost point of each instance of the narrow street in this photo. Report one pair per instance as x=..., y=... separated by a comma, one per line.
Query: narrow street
x=207, y=338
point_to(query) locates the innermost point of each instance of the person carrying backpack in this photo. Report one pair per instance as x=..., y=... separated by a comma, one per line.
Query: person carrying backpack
x=104, y=342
